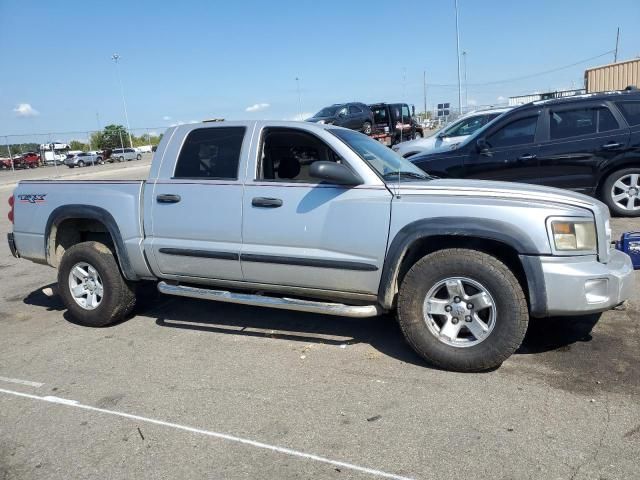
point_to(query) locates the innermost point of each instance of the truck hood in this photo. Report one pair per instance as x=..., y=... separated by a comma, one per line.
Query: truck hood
x=430, y=144
x=506, y=190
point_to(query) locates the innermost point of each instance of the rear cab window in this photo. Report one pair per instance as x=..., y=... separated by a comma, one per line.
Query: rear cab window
x=211, y=153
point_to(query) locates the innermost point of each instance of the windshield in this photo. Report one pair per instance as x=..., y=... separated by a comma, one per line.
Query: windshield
x=385, y=161
x=327, y=112
x=468, y=126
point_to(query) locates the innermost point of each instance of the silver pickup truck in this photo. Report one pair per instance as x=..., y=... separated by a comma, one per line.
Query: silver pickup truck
x=321, y=219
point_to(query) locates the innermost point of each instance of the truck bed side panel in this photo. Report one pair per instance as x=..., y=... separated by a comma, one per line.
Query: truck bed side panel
x=36, y=200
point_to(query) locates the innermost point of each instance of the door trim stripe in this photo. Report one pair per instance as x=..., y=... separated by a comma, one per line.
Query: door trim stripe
x=308, y=262
x=185, y=252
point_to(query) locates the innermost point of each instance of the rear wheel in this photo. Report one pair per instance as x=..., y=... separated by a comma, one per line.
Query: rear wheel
x=121, y=159
x=366, y=128
x=81, y=163
x=92, y=287
x=621, y=192
x=417, y=135
x=138, y=157
x=100, y=161
x=462, y=310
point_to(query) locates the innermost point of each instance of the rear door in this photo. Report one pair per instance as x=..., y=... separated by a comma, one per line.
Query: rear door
x=511, y=153
x=355, y=117
x=579, y=140
x=196, y=204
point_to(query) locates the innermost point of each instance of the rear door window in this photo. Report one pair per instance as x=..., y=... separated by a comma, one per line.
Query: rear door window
x=353, y=110
x=630, y=111
x=572, y=123
x=606, y=120
x=211, y=153
x=518, y=132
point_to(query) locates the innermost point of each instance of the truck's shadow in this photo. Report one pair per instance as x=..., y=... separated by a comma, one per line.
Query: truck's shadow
x=382, y=333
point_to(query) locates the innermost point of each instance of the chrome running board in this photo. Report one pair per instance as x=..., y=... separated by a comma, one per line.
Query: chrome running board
x=354, y=311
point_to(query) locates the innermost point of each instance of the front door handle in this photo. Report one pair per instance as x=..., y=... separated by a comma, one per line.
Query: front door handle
x=266, y=202
x=611, y=145
x=168, y=198
x=527, y=156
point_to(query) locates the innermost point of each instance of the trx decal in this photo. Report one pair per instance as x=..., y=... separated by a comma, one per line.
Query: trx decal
x=32, y=198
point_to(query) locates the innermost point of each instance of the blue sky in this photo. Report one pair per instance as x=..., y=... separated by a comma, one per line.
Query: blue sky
x=191, y=60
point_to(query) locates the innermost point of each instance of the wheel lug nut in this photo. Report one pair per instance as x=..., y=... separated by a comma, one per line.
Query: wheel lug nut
x=447, y=308
x=467, y=318
x=470, y=306
x=454, y=320
x=457, y=299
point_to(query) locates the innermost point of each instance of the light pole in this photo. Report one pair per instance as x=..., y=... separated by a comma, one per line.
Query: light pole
x=458, y=56
x=299, y=99
x=466, y=85
x=115, y=57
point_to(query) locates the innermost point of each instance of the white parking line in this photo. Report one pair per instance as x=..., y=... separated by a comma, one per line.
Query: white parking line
x=21, y=382
x=222, y=436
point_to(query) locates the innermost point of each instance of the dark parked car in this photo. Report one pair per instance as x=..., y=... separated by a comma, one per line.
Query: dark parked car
x=589, y=144
x=354, y=115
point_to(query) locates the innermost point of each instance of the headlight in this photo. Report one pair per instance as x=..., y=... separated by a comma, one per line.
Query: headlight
x=574, y=235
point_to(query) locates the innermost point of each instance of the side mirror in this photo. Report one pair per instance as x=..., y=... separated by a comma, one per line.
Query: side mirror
x=413, y=110
x=334, y=173
x=483, y=147
x=342, y=113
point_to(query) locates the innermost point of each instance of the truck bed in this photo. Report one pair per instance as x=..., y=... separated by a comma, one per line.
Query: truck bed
x=39, y=202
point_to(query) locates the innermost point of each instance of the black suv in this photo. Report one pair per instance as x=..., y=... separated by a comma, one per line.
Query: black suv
x=589, y=143
x=354, y=115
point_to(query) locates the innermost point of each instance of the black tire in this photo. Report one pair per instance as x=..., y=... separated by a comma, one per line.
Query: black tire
x=118, y=297
x=417, y=135
x=138, y=157
x=366, y=128
x=100, y=161
x=511, y=311
x=70, y=166
x=607, y=193
x=121, y=159
x=80, y=164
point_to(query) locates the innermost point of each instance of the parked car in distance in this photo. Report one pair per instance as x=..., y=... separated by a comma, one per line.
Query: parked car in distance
x=122, y=154
x=451, y=134
x=83, y=159
x=588, y=143
x=360, y=231
x=5, y=163
x=26, y=160
x=353, y=115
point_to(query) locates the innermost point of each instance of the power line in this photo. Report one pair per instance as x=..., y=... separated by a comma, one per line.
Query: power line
x=524, y=77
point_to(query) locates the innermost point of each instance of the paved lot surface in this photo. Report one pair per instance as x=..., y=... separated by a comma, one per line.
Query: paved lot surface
x=178, y=390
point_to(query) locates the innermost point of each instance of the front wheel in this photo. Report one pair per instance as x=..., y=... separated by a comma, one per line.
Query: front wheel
x=138, y=157
x=92, y=287
x=121, y=159
x=417, y=135
x=366, y=128
x=621, y=192
x=462, y=310
x=81, y=163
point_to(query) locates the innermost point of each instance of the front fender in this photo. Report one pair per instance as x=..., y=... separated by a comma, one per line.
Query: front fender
x=472, y=228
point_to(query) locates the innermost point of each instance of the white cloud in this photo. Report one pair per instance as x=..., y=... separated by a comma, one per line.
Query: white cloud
x=472, y=102
x=299, y=117
x=501, y=98
x=257, y=107
x=26, y=110
x=166, y=118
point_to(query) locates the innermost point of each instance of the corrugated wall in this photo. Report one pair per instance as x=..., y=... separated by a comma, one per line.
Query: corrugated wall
x=616, y=76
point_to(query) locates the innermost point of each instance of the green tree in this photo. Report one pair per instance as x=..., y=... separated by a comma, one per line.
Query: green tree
x=113, y=136
x=78, y=145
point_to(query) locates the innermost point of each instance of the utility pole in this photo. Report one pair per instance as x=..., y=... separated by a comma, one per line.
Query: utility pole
x=424, y=87
x=458, y=57
x=466, y=85
x=615, y=55
x=299, y=99
x=115, y=57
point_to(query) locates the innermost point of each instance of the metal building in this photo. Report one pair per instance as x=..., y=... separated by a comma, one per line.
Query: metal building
x=615, y=76
x=534, y=97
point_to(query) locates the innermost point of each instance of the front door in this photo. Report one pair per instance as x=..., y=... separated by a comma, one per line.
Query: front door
x=196, y=211
x=509, y=154
x=580, y=140
x=300, y=232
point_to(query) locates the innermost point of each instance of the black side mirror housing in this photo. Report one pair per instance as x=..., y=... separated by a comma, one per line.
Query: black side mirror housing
x=333, y=172
x=483, y=147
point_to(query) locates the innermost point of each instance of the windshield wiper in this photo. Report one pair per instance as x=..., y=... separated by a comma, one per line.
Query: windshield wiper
x=406, y=173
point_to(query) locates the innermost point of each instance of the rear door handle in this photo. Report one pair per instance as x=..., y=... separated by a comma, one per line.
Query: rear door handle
x=527, y=156
x=168, y=198
x=266, y=202
x=608, y=146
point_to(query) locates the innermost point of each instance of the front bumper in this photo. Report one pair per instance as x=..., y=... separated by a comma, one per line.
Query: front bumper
x=582, y=285
x=12, y=245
